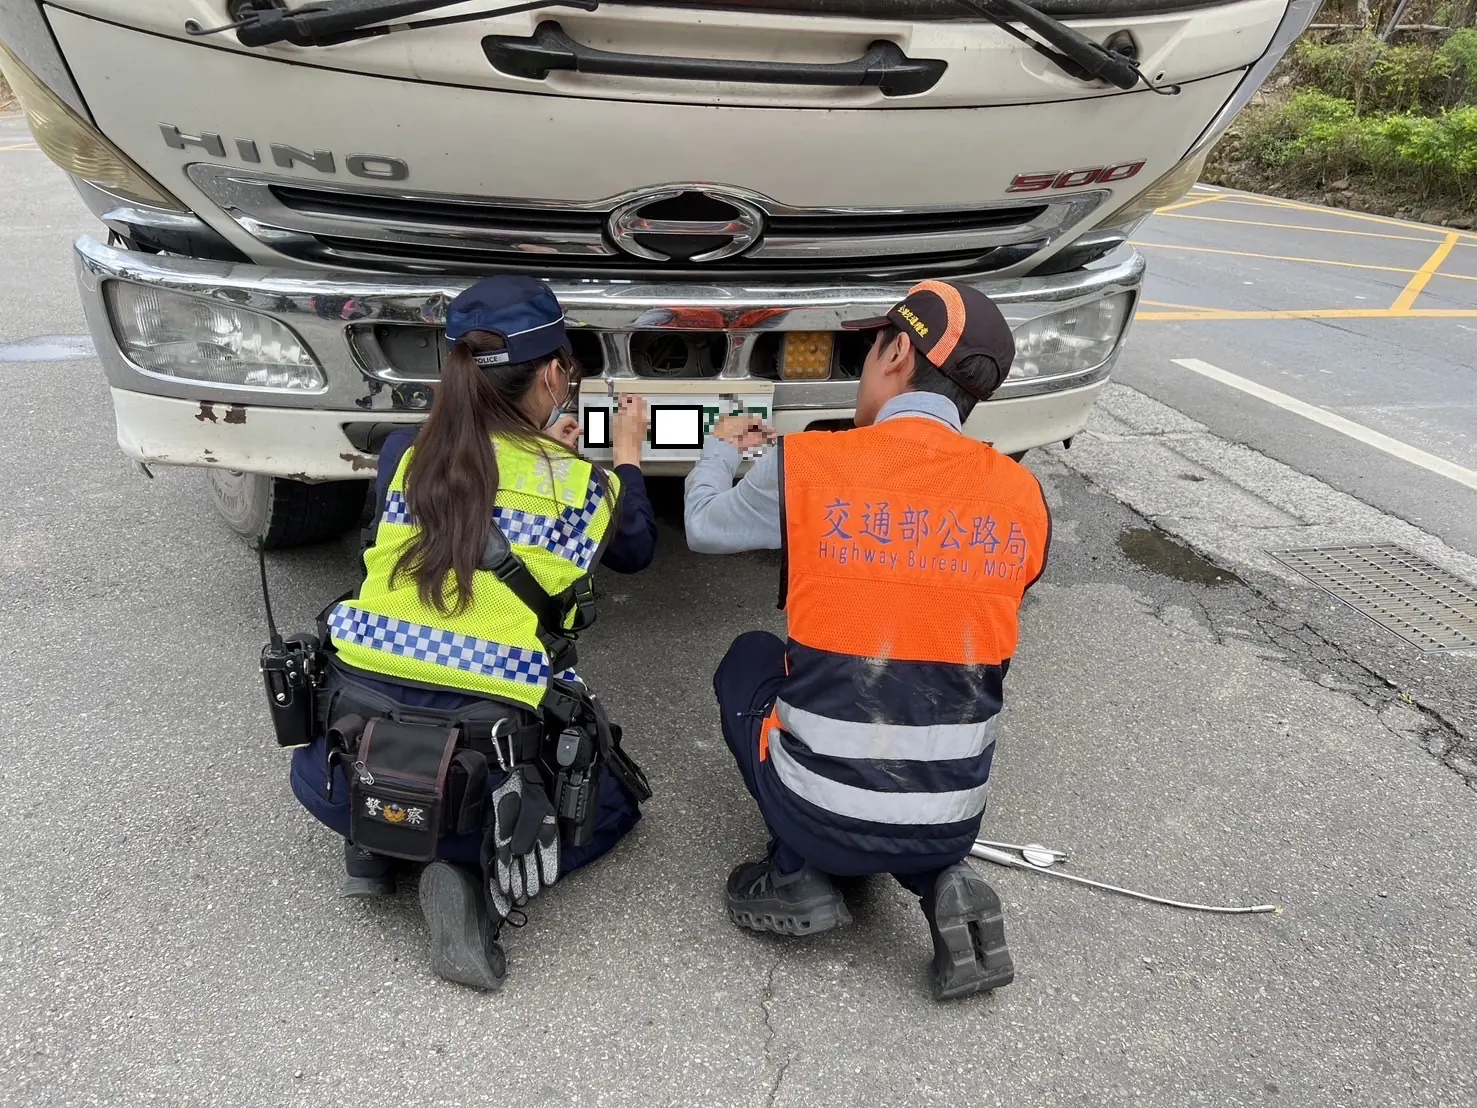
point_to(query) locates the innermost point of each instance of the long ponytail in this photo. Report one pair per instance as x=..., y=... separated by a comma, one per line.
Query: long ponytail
x=452, y=479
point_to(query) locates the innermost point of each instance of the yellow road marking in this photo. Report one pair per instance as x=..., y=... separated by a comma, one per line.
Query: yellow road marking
x=1182, y=307
x=1254, y=201
x=1409, y=224
x=1406, y=300
x=1289, y=258
x=1313, y=313
x=1296, y=227
x=1203, y=199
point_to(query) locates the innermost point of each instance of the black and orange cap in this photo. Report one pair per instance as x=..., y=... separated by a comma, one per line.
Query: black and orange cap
x=949, y=322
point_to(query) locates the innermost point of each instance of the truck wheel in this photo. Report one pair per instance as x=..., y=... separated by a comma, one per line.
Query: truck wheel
x=286, y=513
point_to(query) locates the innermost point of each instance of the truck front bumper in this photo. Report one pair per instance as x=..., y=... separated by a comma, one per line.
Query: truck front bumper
x=331, y=433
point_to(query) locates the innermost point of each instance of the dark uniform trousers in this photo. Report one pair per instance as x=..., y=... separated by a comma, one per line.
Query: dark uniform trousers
x=746, y=684
x=327, y=798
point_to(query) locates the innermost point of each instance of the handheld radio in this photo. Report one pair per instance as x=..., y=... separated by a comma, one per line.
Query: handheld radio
x=290, y=673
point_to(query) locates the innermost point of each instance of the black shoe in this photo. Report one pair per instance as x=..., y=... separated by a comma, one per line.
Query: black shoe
x=969, y=953
x=367, y=875
x=800, y=903
x=463, y=947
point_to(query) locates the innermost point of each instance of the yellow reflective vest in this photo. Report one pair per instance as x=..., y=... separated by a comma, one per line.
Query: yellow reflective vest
x=556, y=517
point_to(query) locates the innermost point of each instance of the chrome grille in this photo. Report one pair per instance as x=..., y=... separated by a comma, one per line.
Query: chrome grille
x=378, y=229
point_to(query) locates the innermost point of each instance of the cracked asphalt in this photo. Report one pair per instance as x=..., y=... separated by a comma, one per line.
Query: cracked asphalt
x=1185, y=716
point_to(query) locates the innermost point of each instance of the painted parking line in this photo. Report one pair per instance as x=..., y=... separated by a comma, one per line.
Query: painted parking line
x=1434, y=237
x=1213, y=198
x=1181, y=307
x=1220, y=315
x=1403, y=307
x=1343, y=213
x=1256, y=200
x=1407, y=298
x=1293, y=258
x=1324, y=418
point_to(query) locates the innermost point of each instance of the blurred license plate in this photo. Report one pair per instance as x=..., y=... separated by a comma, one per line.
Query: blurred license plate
x=679, y=418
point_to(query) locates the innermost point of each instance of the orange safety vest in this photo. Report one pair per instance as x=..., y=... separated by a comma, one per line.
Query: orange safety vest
x=908, y=548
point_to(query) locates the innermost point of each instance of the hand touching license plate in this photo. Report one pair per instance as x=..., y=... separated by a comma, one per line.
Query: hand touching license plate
x=678, y=421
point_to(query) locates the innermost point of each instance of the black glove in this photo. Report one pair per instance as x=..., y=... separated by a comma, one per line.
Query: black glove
x=520, y=852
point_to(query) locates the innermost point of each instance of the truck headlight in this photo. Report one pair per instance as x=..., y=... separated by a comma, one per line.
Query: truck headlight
x=1070, y=341
x=75, y=144
x=192, y=339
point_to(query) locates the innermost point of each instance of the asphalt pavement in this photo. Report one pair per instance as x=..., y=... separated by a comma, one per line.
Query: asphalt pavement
x=1184, y=716
x=1371, y=319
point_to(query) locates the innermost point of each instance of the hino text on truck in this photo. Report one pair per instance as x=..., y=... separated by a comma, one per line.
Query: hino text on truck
x=292, y=195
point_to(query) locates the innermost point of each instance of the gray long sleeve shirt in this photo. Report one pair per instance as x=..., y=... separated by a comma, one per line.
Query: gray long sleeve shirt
x=724, y=518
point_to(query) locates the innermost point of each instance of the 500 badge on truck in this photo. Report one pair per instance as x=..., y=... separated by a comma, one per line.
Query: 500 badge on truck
x=1074, y=178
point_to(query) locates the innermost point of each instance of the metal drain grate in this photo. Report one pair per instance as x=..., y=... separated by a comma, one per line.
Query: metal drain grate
x=1421, y=602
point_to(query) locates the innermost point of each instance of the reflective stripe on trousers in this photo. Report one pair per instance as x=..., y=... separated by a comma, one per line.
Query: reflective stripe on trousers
x=837, y=738
x=905, y=808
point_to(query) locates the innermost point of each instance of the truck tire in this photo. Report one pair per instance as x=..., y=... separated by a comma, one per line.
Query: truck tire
x=285, y=513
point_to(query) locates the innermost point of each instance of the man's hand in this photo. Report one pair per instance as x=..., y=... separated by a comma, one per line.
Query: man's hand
x=567, y=431
x=744, y=431
x=628, y=431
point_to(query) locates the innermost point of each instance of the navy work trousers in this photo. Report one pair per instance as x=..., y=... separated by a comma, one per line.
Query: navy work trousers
x=746, y=684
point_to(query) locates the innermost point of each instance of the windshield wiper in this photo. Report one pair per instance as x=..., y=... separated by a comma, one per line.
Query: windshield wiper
x=1075, y=54
x=332, y=22
x=336, y=21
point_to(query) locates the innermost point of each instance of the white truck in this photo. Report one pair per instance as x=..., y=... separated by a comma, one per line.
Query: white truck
x=293, y=193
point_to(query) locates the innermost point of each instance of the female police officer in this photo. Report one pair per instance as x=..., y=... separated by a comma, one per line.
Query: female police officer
x=433, y=634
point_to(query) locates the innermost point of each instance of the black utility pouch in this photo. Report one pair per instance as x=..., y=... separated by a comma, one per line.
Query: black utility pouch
x=397, y=789
x=466, y=793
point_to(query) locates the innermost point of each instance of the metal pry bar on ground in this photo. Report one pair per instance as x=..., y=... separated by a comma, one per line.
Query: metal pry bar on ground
x=1057, y=855
x=1039, y=859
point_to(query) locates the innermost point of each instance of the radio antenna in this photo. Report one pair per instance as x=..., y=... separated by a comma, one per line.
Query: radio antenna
x=261, y=554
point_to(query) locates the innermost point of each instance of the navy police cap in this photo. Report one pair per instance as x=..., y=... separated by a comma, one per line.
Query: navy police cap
x=523, y=311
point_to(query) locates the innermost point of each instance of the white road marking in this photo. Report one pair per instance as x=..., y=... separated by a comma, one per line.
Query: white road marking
x=1324, y=418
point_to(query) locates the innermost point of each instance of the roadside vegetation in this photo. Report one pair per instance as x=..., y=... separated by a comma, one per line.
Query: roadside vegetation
x=1352, y=120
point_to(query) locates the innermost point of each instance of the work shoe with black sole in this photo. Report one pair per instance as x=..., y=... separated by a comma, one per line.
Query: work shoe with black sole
x=968, y=928
x=462, y=947
x=801, y=903
x=366, y=876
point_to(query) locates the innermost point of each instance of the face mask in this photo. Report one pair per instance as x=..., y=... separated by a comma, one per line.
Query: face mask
x=559, y=406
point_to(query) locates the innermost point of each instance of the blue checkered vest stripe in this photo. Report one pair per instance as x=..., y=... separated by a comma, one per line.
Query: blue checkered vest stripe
x=443, y=648
x=566, y=534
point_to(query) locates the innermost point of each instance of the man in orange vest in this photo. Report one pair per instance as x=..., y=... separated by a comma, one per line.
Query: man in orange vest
x=867, y=738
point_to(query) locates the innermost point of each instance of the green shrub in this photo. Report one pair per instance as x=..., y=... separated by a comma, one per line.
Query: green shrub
x=1460, y=55
x=1379, y=77
x=1401, y=118
x=1313, y=139
x=1341, y=69
x=1406, y=77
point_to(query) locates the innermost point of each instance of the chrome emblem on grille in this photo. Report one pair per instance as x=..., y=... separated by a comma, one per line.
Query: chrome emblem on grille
x=686, y=225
